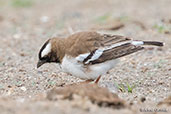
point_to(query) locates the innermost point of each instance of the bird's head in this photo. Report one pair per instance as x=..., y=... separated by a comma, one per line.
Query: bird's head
x=50, y=52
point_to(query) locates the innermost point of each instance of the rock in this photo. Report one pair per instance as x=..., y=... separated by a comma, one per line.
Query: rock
x=166, y=101
x=97, y=95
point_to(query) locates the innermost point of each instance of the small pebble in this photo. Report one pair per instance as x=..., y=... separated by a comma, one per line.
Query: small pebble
x=44, y=19
x=143, y=99
x=23, y=88
x=17, y=36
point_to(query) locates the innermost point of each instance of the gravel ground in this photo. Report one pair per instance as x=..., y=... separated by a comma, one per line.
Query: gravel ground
x=142, y=79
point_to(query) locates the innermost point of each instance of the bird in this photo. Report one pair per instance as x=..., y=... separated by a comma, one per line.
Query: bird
x=89, y=54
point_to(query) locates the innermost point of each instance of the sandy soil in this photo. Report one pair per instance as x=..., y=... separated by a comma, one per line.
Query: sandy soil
x=24, y=28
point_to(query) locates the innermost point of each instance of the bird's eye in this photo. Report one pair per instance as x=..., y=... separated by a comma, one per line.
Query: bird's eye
x=44, y=58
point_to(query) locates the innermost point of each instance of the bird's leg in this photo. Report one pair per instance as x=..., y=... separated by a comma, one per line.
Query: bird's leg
x=97, y=80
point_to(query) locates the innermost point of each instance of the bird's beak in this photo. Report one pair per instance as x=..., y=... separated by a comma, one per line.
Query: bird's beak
x=40, y=63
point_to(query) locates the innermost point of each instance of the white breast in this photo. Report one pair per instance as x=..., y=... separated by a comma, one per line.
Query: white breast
x=77, y=69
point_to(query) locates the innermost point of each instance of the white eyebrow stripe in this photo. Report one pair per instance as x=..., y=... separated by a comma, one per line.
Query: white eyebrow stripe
x=46, y=50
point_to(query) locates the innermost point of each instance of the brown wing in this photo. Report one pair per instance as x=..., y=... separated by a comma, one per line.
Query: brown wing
x=116, y=52
x=86, y=44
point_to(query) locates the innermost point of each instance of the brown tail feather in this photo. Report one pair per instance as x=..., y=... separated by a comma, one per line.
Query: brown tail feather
x=155, y=43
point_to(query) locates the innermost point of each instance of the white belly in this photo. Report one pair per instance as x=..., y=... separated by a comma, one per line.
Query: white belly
x=72, y=66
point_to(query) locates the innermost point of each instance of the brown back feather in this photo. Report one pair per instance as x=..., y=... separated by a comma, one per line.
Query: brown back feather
x=89, y=42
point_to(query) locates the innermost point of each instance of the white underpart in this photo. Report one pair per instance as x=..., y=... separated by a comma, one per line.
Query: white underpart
x=137, y=43
x=77, y=69
x=46, y=50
